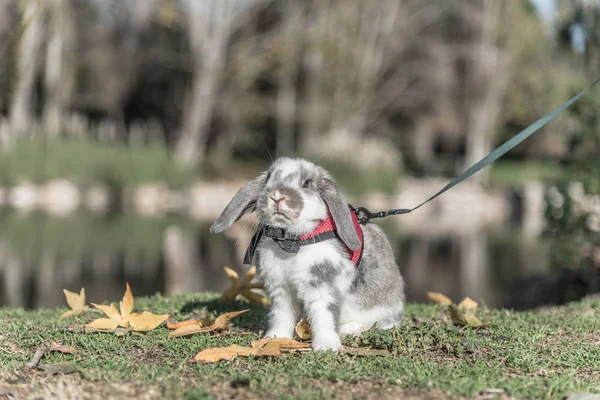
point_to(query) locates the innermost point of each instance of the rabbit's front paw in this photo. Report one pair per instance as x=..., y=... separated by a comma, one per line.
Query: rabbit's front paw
x=327, y=342
x=278, y=333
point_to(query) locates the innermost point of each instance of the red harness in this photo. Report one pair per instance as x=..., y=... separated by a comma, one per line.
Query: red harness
x=326, y=230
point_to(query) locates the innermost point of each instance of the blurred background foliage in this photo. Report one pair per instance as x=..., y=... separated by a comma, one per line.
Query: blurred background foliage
x=419, y=87
x=126, y=93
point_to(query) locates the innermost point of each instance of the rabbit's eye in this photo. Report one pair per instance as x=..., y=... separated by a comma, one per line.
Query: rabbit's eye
x=306, y=183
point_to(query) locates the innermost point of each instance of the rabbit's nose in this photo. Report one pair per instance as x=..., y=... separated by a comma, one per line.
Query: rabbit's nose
x=277, y=196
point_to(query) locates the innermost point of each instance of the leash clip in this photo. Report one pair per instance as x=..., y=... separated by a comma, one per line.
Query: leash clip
x=362, y=214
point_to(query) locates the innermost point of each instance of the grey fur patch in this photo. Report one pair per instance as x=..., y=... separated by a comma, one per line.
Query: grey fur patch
x=378, y=282
x=244, y=201
x=294, y=198
x=324, y=273
x=338, y=207
x=335, y=308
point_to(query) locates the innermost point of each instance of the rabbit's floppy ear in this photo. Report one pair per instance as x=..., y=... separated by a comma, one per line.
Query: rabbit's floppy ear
x=243, y=202
x=340, y=211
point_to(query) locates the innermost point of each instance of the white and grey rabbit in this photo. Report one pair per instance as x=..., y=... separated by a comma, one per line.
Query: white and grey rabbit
x=320, y=279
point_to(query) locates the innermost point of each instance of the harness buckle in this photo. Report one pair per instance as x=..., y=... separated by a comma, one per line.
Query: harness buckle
x=278, y=233
x=362, y=214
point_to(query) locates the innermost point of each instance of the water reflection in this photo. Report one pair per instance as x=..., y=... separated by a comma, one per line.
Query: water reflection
x=41, y=255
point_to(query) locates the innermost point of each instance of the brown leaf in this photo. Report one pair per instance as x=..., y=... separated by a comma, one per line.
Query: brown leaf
x=249, y=276
x=464, y=319
x=439, y=298
x=146, y=321
x=103, y=324
x=243, y=287
x=222, y=353
x=188, y=330
x=303, y=329
x=221, y=322
x=76, y=302
x=272, y=348
x=467, y=304
x=283, y=343
x=255, y=298
x=62, y=348
x=257, y=344
x=126, y=305
x=140, y=322
x=178, y=325
x=222, y=319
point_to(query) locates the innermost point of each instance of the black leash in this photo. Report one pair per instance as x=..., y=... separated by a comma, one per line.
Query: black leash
x=365, y=215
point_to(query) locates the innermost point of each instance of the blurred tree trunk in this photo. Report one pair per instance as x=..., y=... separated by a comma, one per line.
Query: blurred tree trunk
x=28, y=64
x=61, y=65
x=313, y=65
x=210, y=26
x=7, y=28
x=287, y=95
x=490, y=71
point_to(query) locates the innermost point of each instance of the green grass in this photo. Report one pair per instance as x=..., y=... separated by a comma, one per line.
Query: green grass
x=83, y=233
x=515, y=173
x=537, y=355
x=85, y=162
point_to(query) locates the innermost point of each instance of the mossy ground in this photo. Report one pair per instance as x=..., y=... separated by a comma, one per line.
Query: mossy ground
x=545, y=354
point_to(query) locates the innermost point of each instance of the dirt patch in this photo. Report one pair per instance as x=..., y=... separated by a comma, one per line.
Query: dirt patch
x=367, y=389
x=32, y=384
x=38, y=385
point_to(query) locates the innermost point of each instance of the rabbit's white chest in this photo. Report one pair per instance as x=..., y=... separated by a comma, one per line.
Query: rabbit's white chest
x=296, y=271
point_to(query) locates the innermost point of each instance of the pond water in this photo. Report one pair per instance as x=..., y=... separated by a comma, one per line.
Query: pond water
x=41, y=255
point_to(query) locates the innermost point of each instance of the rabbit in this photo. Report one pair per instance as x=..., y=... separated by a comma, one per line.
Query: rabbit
x=319, y=280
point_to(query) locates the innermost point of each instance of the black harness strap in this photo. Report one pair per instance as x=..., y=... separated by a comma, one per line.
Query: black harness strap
x=288, y=243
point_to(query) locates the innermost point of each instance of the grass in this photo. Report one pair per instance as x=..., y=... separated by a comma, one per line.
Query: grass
x=539, y=355
x=515, y=173
x=120, y=165
x=85, y=161
x=80, y=234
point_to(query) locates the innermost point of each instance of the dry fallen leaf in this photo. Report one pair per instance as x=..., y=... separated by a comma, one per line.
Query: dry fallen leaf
x=303, y=329
x=269, y=349
x=192, y=322
x=139, y=322
x=439, y=298
x=220, y=323
x=54, y=346
x=467, y=318
x=467, y=304
x=283, y=343
x=76, y=302
x=272, y=349
x=243, y=287
x=222, y=353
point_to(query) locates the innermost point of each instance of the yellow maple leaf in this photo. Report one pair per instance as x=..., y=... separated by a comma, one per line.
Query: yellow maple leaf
x=466, y=318
x=220, y=323
x=260, y=348
x=178, y=325
x=76, y=302
x=439, y=298
x=303, y=329
x=140, y=322
x=283, y=343
x=243, y=287
x=467, y=304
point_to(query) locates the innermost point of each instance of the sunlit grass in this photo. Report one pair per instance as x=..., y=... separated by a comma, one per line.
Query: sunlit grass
x=537, y=355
